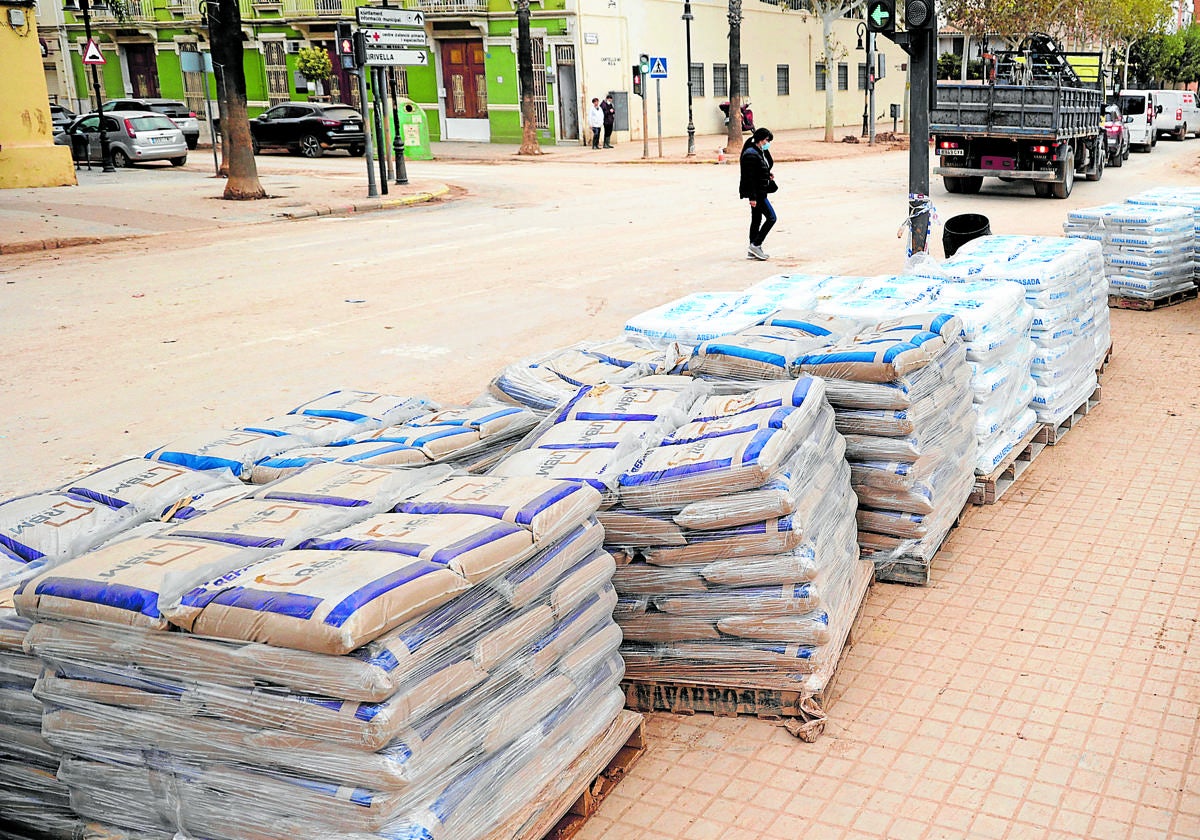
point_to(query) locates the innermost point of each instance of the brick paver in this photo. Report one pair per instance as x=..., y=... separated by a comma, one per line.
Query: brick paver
x=1046, y=685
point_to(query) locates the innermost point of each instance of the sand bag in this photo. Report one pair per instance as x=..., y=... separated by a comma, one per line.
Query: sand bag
x=321, y=601
x=547, y=509
x=381, y=409
x=127, y=583
x=881, y=358
x=475, y=547
x=147, y=487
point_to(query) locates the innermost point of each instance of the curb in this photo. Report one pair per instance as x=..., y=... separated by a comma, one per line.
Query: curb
x=367, y=206
x=53, y=243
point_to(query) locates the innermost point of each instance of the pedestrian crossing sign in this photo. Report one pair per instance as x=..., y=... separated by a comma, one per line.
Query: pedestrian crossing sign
x=658, y=67
x=91, y=53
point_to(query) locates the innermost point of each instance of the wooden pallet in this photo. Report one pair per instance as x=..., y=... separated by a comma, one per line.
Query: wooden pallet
x=990, y=488
x=559, y=810
x=1144, y=305
x=1052, y=435
x=1103, y=366
x=803, y=711
x=912, y=570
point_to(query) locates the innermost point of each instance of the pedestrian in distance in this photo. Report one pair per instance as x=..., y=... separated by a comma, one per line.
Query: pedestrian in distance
x=610, y=119
x=757, y=182
x=595, y=121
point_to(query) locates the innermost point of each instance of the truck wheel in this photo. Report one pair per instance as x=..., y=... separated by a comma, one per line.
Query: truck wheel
x=1118, y=160
x=1098, y=169
x=971, y=184
x=1041, y=189
x=953, y=185
x=1062, y=189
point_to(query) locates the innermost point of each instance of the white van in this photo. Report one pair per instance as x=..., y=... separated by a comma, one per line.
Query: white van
x=1138, y=106
x=1178, y=114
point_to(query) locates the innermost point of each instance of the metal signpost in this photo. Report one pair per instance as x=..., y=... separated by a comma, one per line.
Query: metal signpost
x=658, y=72
x=93, y=57
x=196, y=62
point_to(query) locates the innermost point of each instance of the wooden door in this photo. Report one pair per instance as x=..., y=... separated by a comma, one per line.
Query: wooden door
x=143, y=70
x=464, y=79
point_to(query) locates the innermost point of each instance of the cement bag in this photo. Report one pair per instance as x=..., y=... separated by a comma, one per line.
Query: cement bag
x=874, y=359
x=814, y=324
x=593, y=467
x=917, y=501
x=584, y=621
x=437, y=442
x=593, y=434
x=128, y=583
x=707, y=468
x=489, y=419
x=27, y=745
x=657, y=628
x=906, y=525
x=351, y=486
x=18, y=706
x=736, y=657
x=237, y=451
x=17, y=669
x=266, y=523
x=627, y=402
x=357, y=406
x=793, y=420
x=146, y=487
x=760, y=600
x=371, y=453
x=702, y=316
x=48, y=527
x=764, y=352
x=186, y=509
x=547, y=509
x=315, y=431
x=945, y=325
x=790, y=291
x=527, y=581
x=774, y=536
x=807, y=629
x=640, y=528
x=804, y=392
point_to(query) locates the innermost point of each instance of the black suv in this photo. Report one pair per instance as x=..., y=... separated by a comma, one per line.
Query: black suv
x=177, y=111
x=309, y=128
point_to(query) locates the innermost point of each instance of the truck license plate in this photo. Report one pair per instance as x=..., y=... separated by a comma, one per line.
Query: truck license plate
x=952, y=151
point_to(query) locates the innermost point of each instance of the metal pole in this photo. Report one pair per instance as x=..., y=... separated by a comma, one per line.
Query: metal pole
x=372, y=191
x=212, y=135
x=397, y=135
x=865, y=44
x=691, y=128
x=645, y=118
x=385, y=78
x=658, y=107
x=871, y=68
x=380, y=139
x=918, y=142
x=105, y=151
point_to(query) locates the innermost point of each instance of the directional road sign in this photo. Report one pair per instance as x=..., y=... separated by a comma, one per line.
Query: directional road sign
x=395, y=38
x=375, y=16
x=395, y=57
x=658, y=67
x=91, y=53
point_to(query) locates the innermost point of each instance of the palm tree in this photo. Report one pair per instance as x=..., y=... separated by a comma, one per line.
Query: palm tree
x=225, y=32
x=529, y=141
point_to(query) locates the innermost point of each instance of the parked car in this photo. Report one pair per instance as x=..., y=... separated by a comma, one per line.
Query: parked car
x=1139, y=108
x=309, y=128
x=1177, y=113
x=133, y=137
x=178, y=111
x=1116, y=136
x=61, y=117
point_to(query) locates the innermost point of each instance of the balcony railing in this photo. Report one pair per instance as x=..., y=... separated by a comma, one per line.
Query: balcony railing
x=447, y=7
x=122, y=10
x=319, y=8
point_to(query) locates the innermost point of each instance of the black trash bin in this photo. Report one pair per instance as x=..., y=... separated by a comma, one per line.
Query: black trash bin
x=79, y=147
x=962, y=229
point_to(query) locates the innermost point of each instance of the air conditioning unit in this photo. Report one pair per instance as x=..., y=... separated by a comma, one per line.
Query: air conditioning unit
x=294, y=46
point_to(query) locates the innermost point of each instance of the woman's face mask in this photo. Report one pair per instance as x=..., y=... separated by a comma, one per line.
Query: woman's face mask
x=766, y=145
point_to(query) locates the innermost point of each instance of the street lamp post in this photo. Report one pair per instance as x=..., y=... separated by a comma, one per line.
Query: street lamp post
x=105, y=151
x=691, y=127
x=868, y=126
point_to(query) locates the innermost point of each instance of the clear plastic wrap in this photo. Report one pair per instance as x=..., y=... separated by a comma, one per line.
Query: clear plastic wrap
x=1148, y=244
x=701, y=316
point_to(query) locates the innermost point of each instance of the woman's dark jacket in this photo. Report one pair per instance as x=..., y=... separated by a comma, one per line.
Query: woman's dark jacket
x=756, y=172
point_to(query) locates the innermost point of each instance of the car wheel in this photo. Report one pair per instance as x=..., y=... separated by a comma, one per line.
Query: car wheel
x=193, y=142
x=1126, y=155
x=357, y=150
x=1181, y=134
x=972, y=184
x=255, y=146
x=1118, y=160
x=119, y=159
x=310, y=146
x=179, y=161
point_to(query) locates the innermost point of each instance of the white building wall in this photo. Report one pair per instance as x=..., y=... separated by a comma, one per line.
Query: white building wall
x=612, y=33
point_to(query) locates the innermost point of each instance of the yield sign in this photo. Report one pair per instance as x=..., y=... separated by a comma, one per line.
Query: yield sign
x=91, y=53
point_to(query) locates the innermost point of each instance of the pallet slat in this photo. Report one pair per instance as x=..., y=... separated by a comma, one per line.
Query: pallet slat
x=990, y=488
x=912, y=570
x=1145, y=305
x=1053, y=435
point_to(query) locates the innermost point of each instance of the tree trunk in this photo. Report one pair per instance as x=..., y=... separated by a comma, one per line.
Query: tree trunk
x=223, y=169
x=225, y=31
x=733, y=140
x=830, y=78
x=529, y=141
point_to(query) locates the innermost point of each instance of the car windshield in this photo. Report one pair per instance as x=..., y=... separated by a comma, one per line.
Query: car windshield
x=168, y=107
x=341, y=114
x=151, y=123
x=1133, y=104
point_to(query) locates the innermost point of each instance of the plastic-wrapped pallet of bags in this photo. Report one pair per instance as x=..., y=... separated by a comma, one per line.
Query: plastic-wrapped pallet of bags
x=544, y=381
x=701, y=316
x=739, y=527
x=771, y=349
x=1148, y=249
x=229, y=736
x=1188, y=197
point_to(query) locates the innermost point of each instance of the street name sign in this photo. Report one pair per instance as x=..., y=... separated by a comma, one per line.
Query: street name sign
x=395, y=38
x=375, y=16
x=396, y=57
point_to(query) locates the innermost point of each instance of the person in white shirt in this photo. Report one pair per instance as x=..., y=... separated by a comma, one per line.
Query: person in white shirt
x=595, y=121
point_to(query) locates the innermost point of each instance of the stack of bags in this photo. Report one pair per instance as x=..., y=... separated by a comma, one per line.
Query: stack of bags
x=701, y=316
x=902, y=393
x=1188, y=197
x=739, y=561
x=1148, y=249
x=1064, y=283
x=431, y=652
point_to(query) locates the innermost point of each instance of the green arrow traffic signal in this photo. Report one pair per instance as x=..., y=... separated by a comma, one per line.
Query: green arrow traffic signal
x=881, y=16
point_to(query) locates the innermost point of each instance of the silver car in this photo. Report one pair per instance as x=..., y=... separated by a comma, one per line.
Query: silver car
x=133, y=137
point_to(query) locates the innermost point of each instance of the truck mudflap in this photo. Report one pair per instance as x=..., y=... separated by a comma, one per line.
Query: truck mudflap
x=1015, y=175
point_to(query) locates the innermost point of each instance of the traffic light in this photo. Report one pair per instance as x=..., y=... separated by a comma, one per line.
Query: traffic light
x=637, y=80
x=919, y=15
x=345, y=44
x=644, y=64
x=881, y=16
x=360, y=48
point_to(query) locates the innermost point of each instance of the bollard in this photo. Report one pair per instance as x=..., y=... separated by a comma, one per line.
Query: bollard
x=398, y=149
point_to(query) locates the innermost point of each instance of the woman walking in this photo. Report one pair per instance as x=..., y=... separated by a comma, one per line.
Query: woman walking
x=756, y=183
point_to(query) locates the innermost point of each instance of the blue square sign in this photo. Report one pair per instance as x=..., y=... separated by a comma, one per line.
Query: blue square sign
x=658, y=67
